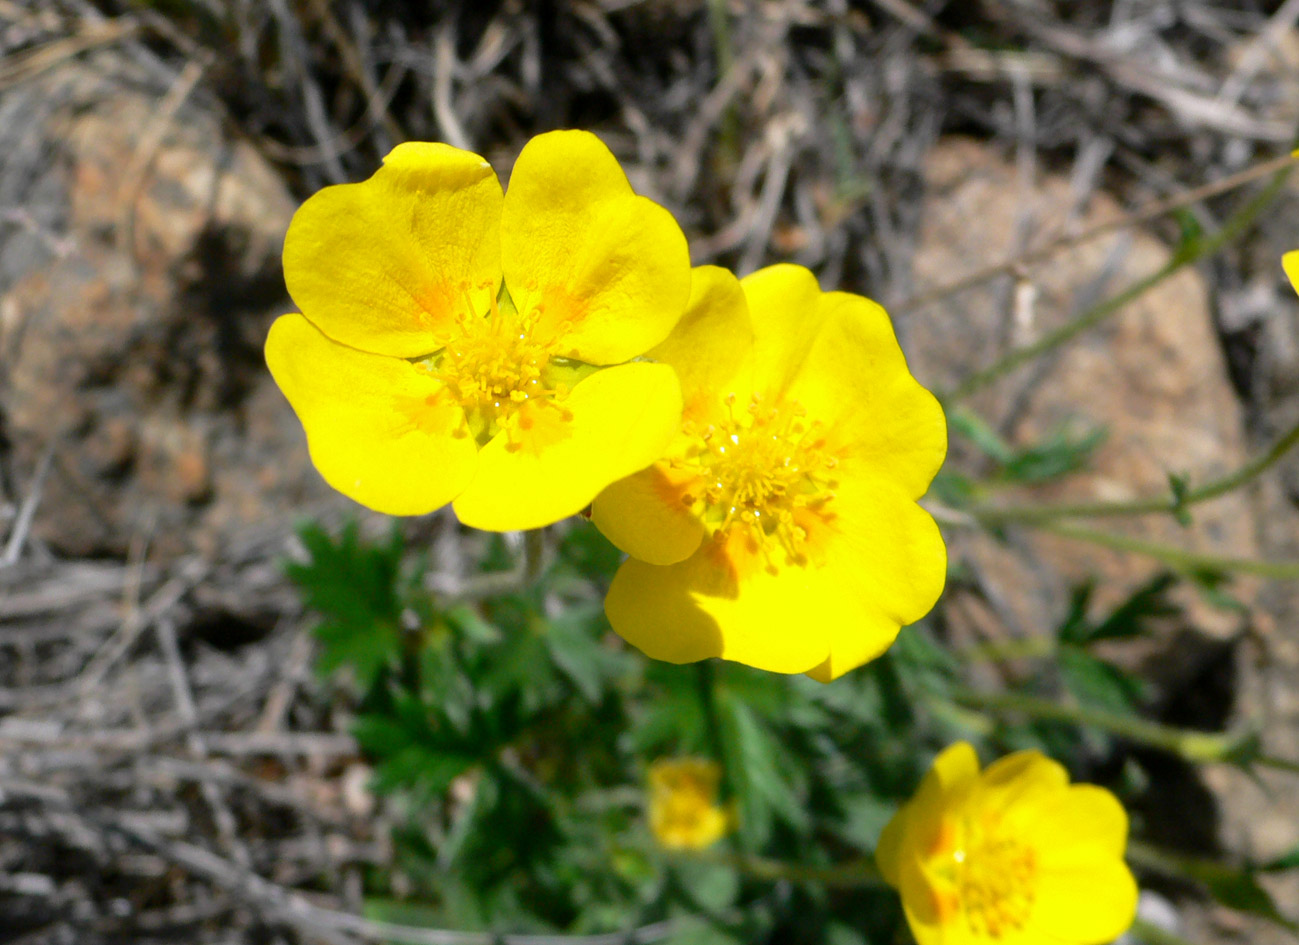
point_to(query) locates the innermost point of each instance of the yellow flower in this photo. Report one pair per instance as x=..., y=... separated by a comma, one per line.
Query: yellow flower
x=683, y=809
x=1290, y=262
x=458, y=343
x=1014, y=855
x=781, y=527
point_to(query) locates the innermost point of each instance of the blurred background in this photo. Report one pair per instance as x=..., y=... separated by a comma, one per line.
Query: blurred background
x=236, y=708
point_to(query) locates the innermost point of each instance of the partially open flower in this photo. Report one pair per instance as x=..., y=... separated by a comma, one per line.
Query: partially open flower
x=1014, y=855
x=683, y=809
x=781, y=529
x=457, y=343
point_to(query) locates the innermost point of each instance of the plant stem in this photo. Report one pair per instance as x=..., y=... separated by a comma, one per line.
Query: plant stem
x=1193, y=746
x=1164, y=503
x=706, y=691
x=1150, y=211
x=534, y=555
x=1235, y=226
x=854, y=875
x=1152, y=934
x=1176, y=557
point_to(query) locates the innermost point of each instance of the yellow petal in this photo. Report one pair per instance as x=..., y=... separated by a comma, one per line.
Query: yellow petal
x=879, y=563
x=610, y=270
x=1078, y=826
x=836, y=355
x=622, y=419
x=1290, y=263
x=854, y=378
x=644, y=515
x=945, y=786
x=892, y=846
x=1021, y=783
x=386, y=265
x=375, y=428
x=1085, y=906
x=888, y=553
x=952, y=773
x=698, y=608
x=713, y=341
x=783, y=306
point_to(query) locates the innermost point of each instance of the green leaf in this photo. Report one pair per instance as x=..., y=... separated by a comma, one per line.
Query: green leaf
x=1097, y=683
x=355, y=587
x=712, y=887
x=758, y=768
x=1061, y=452
x=1238, y=889
x=966, y=423
x=1181, y=488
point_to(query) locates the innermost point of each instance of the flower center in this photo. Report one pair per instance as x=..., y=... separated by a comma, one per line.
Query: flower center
x=758, y=473
x=503, y=376
x=995, y=879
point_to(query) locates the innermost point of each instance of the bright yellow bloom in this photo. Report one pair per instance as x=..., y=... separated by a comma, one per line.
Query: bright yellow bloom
x=781, y=527
x=458, y=343
x=683, y=809
x=1014, y=855
x=1290, y=262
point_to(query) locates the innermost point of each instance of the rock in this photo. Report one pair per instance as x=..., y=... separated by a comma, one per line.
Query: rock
x=138, y=283
x=1153, y=376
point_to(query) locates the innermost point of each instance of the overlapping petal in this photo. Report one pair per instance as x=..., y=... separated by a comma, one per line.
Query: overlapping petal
x=711, y=347
x=608, y=269
x=385, y=265
x=1290, y=263
x=880, y=567
x=646, y=516
x=622, y=418
x=390, y=443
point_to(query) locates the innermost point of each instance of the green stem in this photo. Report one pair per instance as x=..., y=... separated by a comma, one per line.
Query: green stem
x=534, y=555
x=1165, y=503
x=854, y=875
x=1019, y=648
x=1193, y=746
x=1177, y=557
x=1153, y=935
x=1235, y=226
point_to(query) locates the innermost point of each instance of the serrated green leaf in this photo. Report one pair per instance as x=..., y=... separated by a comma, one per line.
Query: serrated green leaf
x=1094, y=682
x=355, y=587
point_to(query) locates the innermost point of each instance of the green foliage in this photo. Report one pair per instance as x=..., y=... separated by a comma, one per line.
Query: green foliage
x=1062, y=451
x=509, y=739
x=357, y=590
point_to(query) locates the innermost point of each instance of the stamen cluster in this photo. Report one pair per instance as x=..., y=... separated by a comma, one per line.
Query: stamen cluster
x=996, y=882
x=759, y=471
x=495, y=370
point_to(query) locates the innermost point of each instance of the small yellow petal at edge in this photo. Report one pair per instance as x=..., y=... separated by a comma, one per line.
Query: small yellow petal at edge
x=622, y=418
x=375, y=427
x=1290, y=263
